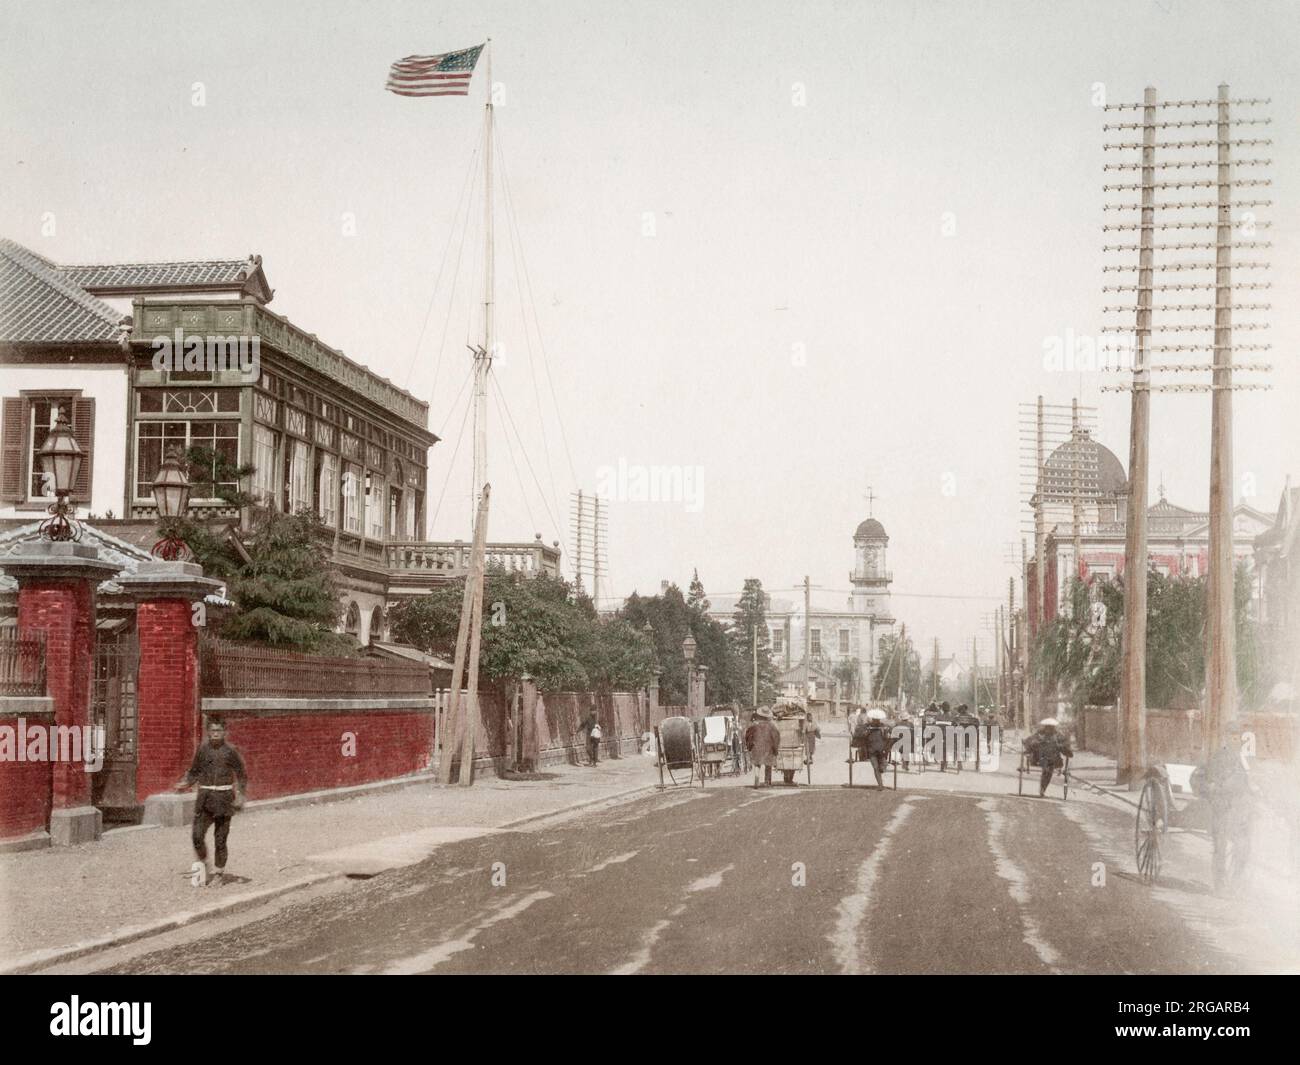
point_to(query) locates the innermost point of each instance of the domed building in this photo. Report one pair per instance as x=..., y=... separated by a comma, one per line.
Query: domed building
x=811, y=648
x=1177, y=538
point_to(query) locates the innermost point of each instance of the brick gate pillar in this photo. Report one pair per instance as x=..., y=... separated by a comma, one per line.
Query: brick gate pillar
x=56, y=596
x=168, y=616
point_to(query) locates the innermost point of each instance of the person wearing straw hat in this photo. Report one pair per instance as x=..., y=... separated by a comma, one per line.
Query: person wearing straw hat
x=763, y=742
x=1049, y=749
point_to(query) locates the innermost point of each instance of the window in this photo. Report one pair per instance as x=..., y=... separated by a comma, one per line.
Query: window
x=351, y=498
x=27, y=421
x=844, y=641
x=777, y=635
x=395, y=514
x=156, y=439
x=410, y=517
x=816, y=641
x=266, y=451
x=327, y=489
x=43, y=414
x=189, y=401
x=375, y=507
x=297, y=478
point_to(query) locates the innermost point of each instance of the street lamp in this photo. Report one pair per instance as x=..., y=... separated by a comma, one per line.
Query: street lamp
x=171, y=495
x=60, y=457
x=688, y=649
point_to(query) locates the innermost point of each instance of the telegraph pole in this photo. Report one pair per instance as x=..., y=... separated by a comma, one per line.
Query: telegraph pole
x=807, y=632
x=1221, y=649
x=1220, y=701
x=1131, y=753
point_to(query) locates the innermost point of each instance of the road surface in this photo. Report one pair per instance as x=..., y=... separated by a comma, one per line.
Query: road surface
x=951, y=873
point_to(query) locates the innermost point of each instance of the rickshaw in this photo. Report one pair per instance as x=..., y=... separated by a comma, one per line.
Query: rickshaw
x=1173, y=797
x=678, y=751
x=897, y=737
x=1030, y=764
x=790, y=719
x=715, y=740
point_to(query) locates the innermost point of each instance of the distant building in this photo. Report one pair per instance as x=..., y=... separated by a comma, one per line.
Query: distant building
x=834, y=637
x=1178, y=539
x=1277, y=568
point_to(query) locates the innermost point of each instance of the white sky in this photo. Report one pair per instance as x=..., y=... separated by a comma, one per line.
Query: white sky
x=775, y=225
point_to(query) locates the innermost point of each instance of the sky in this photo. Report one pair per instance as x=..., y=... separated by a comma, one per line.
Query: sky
x=782, y=253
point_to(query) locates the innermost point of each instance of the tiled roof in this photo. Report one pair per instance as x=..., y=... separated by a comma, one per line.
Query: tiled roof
x=147, y=275
x=39, y=303
x=126, y=556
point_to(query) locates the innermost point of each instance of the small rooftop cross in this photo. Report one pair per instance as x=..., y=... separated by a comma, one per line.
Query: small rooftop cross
x=870, y=497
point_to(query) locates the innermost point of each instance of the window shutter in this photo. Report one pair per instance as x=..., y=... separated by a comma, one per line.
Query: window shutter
x=83, y=429
x=11, y=461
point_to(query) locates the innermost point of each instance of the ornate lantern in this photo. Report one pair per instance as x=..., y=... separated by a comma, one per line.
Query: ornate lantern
x=60, y=457
x=171, y=495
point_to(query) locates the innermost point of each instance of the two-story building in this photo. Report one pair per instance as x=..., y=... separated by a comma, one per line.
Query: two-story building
x=142, y=358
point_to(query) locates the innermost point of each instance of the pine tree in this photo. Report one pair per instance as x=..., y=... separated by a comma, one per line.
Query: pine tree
x=750, y=619
x=695, y=598
x=286, y=593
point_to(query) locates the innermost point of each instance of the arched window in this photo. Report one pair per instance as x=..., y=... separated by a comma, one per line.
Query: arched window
x=377, y=624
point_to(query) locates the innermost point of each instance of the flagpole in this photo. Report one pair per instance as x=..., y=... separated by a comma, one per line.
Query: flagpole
x=483, y=357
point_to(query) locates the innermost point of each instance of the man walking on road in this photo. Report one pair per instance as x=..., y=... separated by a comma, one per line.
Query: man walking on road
x=219, y=772
x=591, y=727
x=763, y=741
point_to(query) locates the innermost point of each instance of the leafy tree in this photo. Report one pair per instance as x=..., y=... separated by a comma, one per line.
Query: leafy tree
x=671, y=619
x=1078, y=654
x=898, y=662
x=848, y=671
x=538, y=626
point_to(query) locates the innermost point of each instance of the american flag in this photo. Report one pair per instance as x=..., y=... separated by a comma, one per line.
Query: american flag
x=434, y=75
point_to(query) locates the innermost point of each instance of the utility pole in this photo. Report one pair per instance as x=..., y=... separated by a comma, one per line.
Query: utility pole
x=1013, y=692
x=997, y=658
x=1221, y=694
x=900, y=649
x=974, y=675
x=483, y=355
x=755, y=628
x=1133, y=639
x=934, y=674
x=807, y=632
x=456, y=727
x=1221, y=649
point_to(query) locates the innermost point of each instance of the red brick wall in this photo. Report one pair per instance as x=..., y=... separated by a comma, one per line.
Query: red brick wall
x=65, y=611
x=25, y=789
x=166, y=694
x=289, y=753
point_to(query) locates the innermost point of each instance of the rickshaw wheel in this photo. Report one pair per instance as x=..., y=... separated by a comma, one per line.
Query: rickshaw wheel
x=1152, y=817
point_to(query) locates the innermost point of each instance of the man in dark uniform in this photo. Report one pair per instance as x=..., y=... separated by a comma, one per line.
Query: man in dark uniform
x=1225, y=783
x=873, y=741
x=219, y=772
